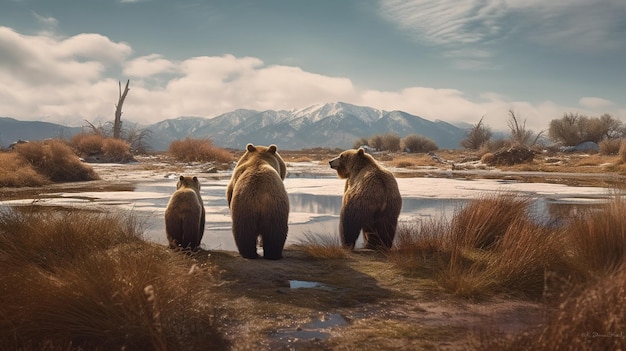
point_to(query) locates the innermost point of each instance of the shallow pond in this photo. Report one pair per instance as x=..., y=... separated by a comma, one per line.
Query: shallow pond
x=315, y=202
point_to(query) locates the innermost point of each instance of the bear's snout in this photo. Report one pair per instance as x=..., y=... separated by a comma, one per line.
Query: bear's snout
x=334, y=163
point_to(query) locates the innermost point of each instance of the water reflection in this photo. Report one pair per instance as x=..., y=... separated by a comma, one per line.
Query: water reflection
x=315, y=204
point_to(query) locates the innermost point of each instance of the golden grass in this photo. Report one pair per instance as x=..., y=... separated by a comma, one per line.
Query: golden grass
x=110, y=149
x=198, y=150
x=322, y=246
x=588, y=318
x=493, y=245
x=16, y=172
x=78, y=280
x=55, y=160
x=598, y=238
x=484, y=220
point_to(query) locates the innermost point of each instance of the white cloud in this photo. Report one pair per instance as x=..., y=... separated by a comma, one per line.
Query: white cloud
x=147, y=66
x=576, y=25
x=65, y=80
x=595, y=102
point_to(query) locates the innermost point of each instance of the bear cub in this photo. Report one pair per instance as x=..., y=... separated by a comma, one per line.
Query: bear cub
x=258, y=202
x=185, y=215
x=371, y=200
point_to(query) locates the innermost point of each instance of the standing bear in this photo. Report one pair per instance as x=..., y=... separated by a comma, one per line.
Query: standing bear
x=258, y=202
x=371, y=200
x=185, y=216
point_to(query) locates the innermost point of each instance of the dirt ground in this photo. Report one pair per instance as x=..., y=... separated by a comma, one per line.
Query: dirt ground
x=358, y=302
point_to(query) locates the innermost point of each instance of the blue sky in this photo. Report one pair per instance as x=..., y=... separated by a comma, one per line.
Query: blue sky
x=61, y=60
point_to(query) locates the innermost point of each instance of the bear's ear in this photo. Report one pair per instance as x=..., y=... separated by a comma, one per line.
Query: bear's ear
x=195, y=179
x=361, y=151
x=250, y=148
x=272, y=148
x=181, y=178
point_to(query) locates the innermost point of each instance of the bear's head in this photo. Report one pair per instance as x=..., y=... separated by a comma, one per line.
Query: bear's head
x=350, y=162
x=269, y=154
x=188, y=182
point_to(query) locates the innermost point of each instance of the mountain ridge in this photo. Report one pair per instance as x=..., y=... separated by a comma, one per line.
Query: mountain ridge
x=333, y=124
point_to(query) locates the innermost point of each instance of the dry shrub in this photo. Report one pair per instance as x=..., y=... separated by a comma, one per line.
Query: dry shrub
x=116, y=150
x=198, y=150
x=16, y=172
x=494, y=145
x=609, y=146
x=80, y=280
x=598, y=238
x=419, y=244
x=87, y=144
x=592, y=318
x=484, y=220
x=323, y=246
x=55, y=160
x=487, y=158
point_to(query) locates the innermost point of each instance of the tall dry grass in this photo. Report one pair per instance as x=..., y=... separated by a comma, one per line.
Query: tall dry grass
x=55, y=160
x=490, y=245
x=77, y=280
x=109, y=149
x=198, y=150
x=590, y=317
x=597, y=238
x=322, y=246
x=17, y=172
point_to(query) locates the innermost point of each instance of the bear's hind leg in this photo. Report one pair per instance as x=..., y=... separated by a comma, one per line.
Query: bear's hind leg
x=273, y=237
x=245, y=239
x=380, y=236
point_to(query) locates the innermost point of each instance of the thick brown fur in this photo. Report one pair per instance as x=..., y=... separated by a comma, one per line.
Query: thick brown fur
x=258, y=202
x=185, y=215
x=371, y=200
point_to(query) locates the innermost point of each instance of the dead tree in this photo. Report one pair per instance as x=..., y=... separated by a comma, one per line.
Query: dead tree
x=117, y=124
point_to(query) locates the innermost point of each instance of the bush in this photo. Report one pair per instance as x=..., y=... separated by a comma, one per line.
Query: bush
x=116, y=150
x=17, y=172
x=418, y=143
x=87, y=144
x=198, y=150
x=609, y=146
x=55, y=160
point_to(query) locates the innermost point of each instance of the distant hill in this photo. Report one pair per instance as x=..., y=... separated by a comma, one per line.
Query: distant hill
x=335, y=125
x=326, y=125
x=12, y=130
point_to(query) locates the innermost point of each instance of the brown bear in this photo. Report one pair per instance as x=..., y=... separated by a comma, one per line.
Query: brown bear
x=258, y=202
x=371, y=200
x=185, y=216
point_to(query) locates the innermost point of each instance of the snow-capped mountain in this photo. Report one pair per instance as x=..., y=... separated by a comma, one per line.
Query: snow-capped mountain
x=335, y=124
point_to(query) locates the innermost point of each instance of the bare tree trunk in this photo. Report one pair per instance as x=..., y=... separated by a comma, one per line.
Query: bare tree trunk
x=117, y=125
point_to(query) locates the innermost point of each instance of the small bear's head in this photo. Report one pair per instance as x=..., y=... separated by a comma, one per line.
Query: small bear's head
x=350, y=162
x=268, y=154
x=188, y=182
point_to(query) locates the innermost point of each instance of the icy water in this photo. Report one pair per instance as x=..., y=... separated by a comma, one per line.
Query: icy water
x=315, y=202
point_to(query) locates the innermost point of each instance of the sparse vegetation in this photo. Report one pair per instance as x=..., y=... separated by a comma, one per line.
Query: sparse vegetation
x=477, y=136
x=198, y=150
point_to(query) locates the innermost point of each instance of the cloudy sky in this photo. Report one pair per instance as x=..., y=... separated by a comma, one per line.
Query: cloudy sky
x=452, y=60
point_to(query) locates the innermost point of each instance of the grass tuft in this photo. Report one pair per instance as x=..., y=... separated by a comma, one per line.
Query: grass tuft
x=198, y=150
x=55, y=160
x=322, y=246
